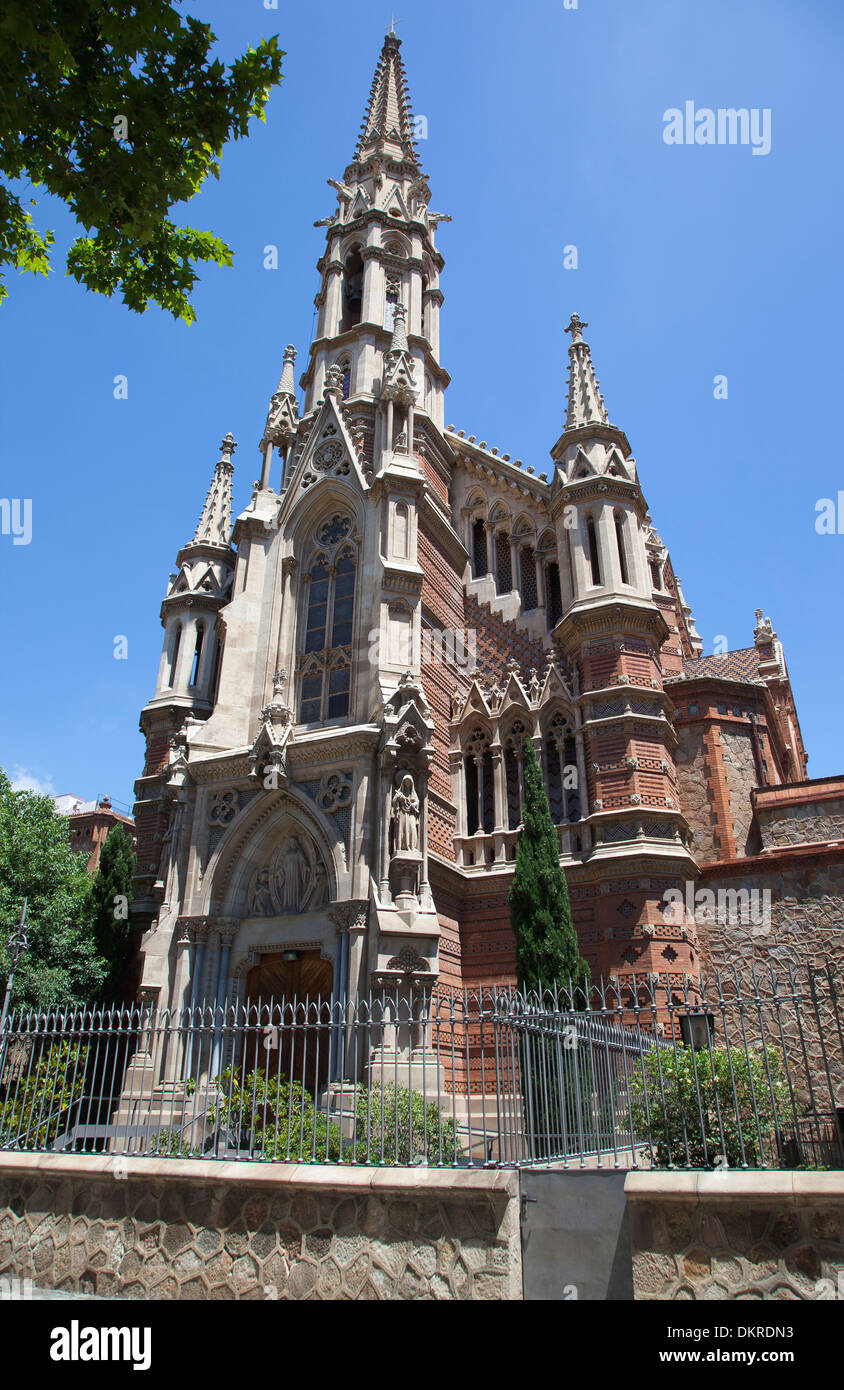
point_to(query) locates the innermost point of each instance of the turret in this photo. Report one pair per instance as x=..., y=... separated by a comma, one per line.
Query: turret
x=196, y=592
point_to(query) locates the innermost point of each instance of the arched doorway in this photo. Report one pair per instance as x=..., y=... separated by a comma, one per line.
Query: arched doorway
x=302, y=979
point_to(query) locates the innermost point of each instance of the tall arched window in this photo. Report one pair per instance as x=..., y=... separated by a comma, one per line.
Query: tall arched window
x=480, y=557
x=325, y=665
x=656, y=575
x=562, y=771
x=592, y=541
x=570, y=564
x=174, y=654
x=554, y=595
x=352, y=289
x=197, y=653
x=480, y=789
x=514, y=748
x=622, y=548
x=503, y=567
x=527, y=576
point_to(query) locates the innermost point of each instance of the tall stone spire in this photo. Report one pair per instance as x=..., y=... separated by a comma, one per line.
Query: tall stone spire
x=585, y=402
x=388, y=124
x=214, y=526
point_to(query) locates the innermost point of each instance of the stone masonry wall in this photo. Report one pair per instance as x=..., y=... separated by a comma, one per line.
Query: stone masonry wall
x=690, y=762
x=192, y=1229
x=802, y=823
x=806, y=921
x=804, y=927
x=740, y=770
x=761, y=1235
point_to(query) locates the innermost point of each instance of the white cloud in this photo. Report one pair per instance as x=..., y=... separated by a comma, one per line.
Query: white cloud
x=23, y=780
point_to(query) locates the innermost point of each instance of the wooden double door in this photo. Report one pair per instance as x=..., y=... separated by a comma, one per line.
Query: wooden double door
x=303, y=1048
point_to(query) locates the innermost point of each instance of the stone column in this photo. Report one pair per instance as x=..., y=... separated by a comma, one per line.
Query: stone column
x=287, y=627
x=492, y=559
x=225, y=934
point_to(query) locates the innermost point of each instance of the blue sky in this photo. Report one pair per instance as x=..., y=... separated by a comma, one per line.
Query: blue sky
x=544, y=130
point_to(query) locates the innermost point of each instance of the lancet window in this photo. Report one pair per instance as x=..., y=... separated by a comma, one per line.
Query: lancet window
x=561, y=771
x=514, y=773
x=527, y=574
x=480, y=790
x=352, y=289
x=328, y=617
x=621, y=544
x=592, y=546
x=480, y=559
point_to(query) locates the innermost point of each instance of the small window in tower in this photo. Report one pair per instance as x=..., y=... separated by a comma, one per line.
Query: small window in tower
x=656, y=575
x=722, y=709
x=693, y=709
x=177, y=642
x=197, y=653
x=622, y=549
x=570, y=564
x=555, y=597
x=352, y=289
x=346, y=368
x=504, y=570
x=480, y=558
x=527, y=572
x=592, y=540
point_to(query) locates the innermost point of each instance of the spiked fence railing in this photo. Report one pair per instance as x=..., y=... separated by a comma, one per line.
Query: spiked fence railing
x=727, y=1072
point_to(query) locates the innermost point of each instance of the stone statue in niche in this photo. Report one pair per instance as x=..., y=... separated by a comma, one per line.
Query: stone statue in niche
x=293, y=880
x=405, y=816
x=292, y=874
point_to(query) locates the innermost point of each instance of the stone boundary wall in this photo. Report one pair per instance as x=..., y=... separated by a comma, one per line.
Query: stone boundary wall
x=759, y=1235
x=196, y=1229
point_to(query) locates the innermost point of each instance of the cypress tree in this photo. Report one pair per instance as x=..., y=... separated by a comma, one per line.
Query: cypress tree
x=112, y=894
x=547, y=952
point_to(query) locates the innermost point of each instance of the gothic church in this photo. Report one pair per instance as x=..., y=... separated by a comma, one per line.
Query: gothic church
x=331, y=797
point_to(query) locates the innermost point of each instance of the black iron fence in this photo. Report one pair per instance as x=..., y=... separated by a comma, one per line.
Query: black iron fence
x=729, y=1072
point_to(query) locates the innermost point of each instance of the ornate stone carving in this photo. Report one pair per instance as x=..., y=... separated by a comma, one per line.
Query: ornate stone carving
x=223, y=808
x=293, y=880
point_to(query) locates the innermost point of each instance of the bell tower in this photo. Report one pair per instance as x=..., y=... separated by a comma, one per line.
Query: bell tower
x=380, y=259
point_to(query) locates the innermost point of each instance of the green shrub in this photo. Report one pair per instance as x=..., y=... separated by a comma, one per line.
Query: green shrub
x=277, y=1119
x=397, y=1126
x=34, y=1108
x=720, y=1118
x=169, y=1143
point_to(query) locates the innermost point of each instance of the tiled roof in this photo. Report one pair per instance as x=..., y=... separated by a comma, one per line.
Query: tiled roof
x=741, y=665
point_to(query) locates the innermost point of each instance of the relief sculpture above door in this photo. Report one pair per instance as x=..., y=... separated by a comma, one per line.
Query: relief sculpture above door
x=292, y=879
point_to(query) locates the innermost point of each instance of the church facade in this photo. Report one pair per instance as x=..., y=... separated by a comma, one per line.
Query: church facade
x=350, y=671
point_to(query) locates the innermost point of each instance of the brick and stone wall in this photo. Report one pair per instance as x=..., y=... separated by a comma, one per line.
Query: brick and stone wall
x=762, y=1235
x=801, y=813
x=161, y=1228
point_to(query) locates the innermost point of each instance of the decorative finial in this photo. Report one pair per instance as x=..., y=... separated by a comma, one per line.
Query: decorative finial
x=576, y=327
x=334, y=380
x=393, y=22
x=228, y=447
